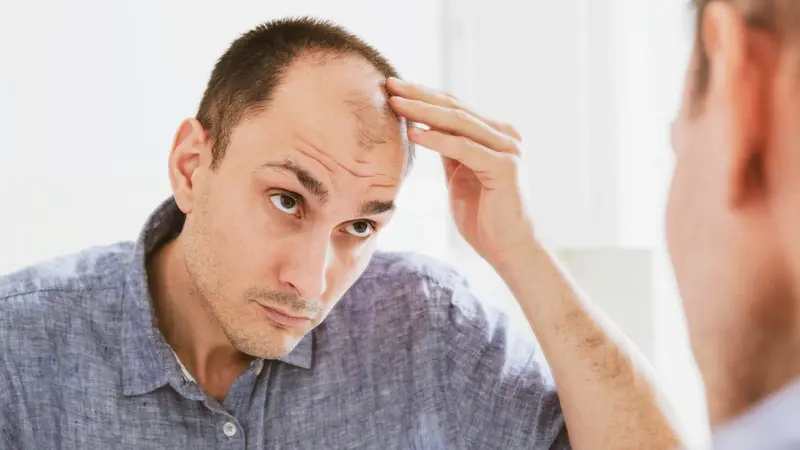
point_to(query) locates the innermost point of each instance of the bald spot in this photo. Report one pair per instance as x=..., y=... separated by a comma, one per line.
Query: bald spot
x=341, y=103
x=377, y=123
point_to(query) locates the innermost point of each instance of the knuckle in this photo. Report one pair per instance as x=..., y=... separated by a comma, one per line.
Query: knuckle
x=512, y=131
x=451, y=100
x=514, y=147
x=460, y=115
x=509, y=164
x=509, y=130
x=465, y=142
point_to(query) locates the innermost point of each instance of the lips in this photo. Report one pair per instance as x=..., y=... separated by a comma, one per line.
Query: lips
x=282, y=318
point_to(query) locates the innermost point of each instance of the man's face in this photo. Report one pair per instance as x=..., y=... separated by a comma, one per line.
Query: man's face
x=288, y=221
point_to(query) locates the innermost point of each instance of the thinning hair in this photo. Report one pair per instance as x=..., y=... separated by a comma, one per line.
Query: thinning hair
x=247, y=75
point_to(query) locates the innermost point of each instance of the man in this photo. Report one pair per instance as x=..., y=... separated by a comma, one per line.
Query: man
x=252, y=313
x=733, y=218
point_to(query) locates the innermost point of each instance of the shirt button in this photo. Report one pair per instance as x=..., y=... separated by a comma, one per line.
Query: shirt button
x=229, y=429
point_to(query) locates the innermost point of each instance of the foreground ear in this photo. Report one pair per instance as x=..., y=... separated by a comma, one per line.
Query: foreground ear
x=189, y=151
x=737, y=96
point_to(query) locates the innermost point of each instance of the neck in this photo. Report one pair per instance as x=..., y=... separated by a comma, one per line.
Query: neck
x=188, y=325
x=752, y=360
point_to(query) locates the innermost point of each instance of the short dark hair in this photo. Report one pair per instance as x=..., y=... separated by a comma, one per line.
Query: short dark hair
x=245, y=77
x=779, y=17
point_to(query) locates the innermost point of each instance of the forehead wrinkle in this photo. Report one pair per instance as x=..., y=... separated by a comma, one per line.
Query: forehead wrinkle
x=330, y=159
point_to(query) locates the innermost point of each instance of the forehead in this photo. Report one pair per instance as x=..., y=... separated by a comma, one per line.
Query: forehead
x=341, y=104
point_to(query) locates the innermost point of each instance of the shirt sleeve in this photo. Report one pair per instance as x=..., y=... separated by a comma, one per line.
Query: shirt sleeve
x=7, y=425
x=499, y=384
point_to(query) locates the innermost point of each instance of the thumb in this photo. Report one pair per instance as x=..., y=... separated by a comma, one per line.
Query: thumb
x=450, y=166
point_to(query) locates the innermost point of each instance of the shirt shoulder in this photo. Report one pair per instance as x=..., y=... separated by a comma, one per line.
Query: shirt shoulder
x=91, y=269
x=493, y=371
x=431, y=284
x=70, y=303
x=404, y=267
x=407, y=283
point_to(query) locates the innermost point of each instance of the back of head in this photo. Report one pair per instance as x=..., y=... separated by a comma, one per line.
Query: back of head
x=246, y=76
x=732, y=217
x=780, y=18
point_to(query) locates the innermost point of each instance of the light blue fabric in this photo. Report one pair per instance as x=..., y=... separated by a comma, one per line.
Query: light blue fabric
x=408, y=359
x=772, y=425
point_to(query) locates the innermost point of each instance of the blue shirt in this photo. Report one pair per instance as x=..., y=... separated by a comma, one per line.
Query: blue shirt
x=408, y=359
x=774, y=424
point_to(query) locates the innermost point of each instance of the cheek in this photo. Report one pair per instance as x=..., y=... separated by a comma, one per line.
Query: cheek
x=674, y=214
x=243, y=236
x=687, y=208
x=688, y=193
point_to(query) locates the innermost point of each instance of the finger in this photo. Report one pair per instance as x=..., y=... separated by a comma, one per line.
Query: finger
x=491, y=167
x=456, y=122
x=423, y=93
x=413, y=91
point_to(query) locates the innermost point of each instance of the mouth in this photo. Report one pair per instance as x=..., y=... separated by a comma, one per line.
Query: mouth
x=283, y=318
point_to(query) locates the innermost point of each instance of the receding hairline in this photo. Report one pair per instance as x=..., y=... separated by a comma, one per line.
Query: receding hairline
x=374, y=119
x=247, y=74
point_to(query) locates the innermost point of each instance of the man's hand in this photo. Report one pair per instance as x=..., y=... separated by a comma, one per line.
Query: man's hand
x=481, y=160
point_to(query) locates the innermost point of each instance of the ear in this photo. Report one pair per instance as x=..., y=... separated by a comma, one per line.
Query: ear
x=190, y=152
x=737, y=96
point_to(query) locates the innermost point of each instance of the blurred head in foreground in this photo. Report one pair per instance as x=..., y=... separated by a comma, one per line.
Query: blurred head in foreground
x=733, y=222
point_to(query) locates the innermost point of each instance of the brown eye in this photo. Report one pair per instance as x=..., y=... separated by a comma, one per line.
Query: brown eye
x=285, y=203
x=361, y=228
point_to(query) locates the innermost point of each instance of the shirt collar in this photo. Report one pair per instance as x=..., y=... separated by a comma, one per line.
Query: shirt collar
x=147, y=360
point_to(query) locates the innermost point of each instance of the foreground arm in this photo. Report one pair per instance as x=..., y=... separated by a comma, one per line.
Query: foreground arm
x=607, y=394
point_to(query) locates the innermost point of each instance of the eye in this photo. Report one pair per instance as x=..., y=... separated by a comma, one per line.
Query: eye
x=284, y=202
x=361, y=229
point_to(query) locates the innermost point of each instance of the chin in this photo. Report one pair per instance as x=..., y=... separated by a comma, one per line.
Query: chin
x=275, y=344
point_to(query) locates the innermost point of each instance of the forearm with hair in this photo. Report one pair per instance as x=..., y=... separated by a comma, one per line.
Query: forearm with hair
x=606, y=387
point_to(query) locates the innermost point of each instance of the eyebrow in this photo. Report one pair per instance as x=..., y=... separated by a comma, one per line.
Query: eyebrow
x=304, y=177
x=375, y=207
x=319, y=190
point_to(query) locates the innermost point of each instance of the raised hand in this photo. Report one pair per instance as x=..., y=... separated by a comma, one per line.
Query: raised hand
x=481, y=160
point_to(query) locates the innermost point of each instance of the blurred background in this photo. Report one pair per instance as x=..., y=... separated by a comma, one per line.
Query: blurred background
x=92, y=92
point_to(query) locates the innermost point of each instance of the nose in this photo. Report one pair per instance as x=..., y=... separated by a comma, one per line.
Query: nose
x=305, y=268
